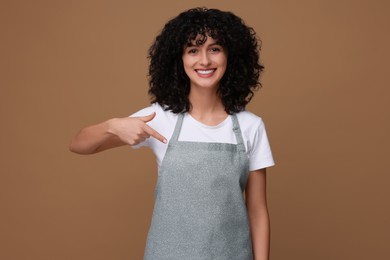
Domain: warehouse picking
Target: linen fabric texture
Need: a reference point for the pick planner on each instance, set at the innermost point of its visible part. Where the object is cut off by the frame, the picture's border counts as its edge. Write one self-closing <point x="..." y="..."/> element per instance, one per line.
<point x="199" y="211"/>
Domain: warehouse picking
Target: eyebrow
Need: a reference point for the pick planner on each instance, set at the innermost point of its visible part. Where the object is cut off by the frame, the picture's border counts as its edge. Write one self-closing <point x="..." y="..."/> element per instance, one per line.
<point x="195" y="45"/>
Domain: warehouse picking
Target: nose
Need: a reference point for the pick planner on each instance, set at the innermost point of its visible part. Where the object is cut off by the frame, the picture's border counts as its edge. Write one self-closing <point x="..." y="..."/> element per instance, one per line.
<point x="204" y="59"/>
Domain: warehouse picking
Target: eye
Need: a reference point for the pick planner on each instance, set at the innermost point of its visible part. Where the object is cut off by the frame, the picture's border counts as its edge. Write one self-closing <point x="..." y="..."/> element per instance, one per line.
<point x="192" y="51"/>
<point x="215" y="49"/>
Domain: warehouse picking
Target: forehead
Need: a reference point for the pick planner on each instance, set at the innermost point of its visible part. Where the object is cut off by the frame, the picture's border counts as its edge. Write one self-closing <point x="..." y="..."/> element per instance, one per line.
<point x="200" y="40"/>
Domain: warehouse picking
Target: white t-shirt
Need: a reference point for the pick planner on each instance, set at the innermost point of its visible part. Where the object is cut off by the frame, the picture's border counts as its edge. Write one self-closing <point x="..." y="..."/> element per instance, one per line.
<point x="252" y="129"/>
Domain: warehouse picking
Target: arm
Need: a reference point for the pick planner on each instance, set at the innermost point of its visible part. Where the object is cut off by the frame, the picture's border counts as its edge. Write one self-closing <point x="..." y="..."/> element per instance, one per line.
<point x="113" y="133"/>
<point x="256" y="203"/>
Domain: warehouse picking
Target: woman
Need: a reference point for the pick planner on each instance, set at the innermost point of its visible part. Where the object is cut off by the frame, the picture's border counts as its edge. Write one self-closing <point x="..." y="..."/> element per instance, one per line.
<point x="204" y="67"/>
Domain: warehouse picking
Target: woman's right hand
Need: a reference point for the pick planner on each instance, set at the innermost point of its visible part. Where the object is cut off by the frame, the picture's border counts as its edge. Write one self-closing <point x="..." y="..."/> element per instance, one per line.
<point x="113" y="133"/>
<point x="134" y="130"/>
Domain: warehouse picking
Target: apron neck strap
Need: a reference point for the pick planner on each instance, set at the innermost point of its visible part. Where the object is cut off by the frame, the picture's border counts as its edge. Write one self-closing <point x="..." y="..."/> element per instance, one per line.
<point x="236" y="130"/>
<point x="176" y="132"/>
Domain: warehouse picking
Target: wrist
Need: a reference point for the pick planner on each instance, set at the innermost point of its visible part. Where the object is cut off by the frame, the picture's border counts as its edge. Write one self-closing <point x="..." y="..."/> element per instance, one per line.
<point x="109" y="126"/>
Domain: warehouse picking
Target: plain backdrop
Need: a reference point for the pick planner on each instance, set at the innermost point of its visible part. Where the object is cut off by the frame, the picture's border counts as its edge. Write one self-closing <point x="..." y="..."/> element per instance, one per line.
<point x="324" y="101"/>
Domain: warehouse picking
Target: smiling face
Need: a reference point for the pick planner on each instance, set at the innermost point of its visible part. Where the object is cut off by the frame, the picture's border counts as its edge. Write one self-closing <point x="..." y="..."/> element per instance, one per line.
<point x="205" y="64"/>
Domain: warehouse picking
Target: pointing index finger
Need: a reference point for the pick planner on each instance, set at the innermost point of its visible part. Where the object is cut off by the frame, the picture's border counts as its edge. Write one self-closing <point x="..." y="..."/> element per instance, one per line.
<point x="155" y="134"/>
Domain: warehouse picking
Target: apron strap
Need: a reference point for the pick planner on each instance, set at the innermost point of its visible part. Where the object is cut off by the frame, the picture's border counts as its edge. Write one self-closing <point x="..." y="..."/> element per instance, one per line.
<point x="176" y="132"/>
<point x="237" y="132"/>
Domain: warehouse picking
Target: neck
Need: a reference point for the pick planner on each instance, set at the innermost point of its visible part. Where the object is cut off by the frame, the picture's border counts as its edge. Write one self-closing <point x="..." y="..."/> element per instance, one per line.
<point x="205" y="103"/>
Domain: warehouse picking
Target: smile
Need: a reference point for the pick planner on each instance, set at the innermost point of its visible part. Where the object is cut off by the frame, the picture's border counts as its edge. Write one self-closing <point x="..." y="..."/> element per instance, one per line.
<point x="207" y="72"/>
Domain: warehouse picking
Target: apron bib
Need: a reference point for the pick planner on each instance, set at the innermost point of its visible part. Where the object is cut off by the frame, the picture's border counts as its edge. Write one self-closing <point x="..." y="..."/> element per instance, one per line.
<point x="199" y="211"/>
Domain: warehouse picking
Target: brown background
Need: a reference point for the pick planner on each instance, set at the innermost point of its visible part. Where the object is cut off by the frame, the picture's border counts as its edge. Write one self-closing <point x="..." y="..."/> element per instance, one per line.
<point x="67" y="64"/>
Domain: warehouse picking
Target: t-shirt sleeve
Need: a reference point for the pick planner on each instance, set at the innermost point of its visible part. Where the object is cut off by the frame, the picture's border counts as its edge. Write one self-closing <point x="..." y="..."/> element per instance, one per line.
<point x="143" y="112"/>
<point x="260" y="154"/>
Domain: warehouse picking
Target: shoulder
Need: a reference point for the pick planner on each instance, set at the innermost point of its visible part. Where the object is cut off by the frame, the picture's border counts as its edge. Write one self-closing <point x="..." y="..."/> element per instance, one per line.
<point x="164" y="120"/>
<point x="252" y="128"/>
<point x="249" y="122"/>
<point x="162" y="114"/>
<point x="154" y="107"/>
<point x="259" y="150"/>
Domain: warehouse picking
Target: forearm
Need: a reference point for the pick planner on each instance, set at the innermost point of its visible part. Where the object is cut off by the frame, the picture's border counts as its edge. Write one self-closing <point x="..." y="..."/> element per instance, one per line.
<point x="90" y="138"/>
<point x="260" y="234"/>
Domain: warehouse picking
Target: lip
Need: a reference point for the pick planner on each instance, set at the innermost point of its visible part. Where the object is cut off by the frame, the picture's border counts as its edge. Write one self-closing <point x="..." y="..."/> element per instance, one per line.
<point x="202" y="75"/>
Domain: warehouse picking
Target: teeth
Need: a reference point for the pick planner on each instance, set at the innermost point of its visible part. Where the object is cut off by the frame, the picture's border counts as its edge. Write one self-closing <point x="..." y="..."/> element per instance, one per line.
<point x="204" y="72"/>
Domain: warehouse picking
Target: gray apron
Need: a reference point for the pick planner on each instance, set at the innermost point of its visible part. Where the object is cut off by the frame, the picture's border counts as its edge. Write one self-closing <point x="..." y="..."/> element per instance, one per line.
<point x="199" y="211"/>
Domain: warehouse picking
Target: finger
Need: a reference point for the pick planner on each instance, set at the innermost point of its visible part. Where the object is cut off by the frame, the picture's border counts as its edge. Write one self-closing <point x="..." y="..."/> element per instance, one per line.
<point x="148" y="117"/>
<point x="144" y="135"/>
<point x="155" y="134"/>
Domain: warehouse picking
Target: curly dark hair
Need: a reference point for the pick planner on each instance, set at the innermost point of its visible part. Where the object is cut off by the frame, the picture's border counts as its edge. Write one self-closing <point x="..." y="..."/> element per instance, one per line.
<point x="169" y="85"/>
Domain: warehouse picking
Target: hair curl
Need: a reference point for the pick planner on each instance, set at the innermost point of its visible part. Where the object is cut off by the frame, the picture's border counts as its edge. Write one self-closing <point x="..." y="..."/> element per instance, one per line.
<point x="169" y="85"/>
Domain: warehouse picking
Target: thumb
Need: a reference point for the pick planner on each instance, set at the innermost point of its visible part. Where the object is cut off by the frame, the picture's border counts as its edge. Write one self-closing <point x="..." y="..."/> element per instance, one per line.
<point x="148" y="117"/>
